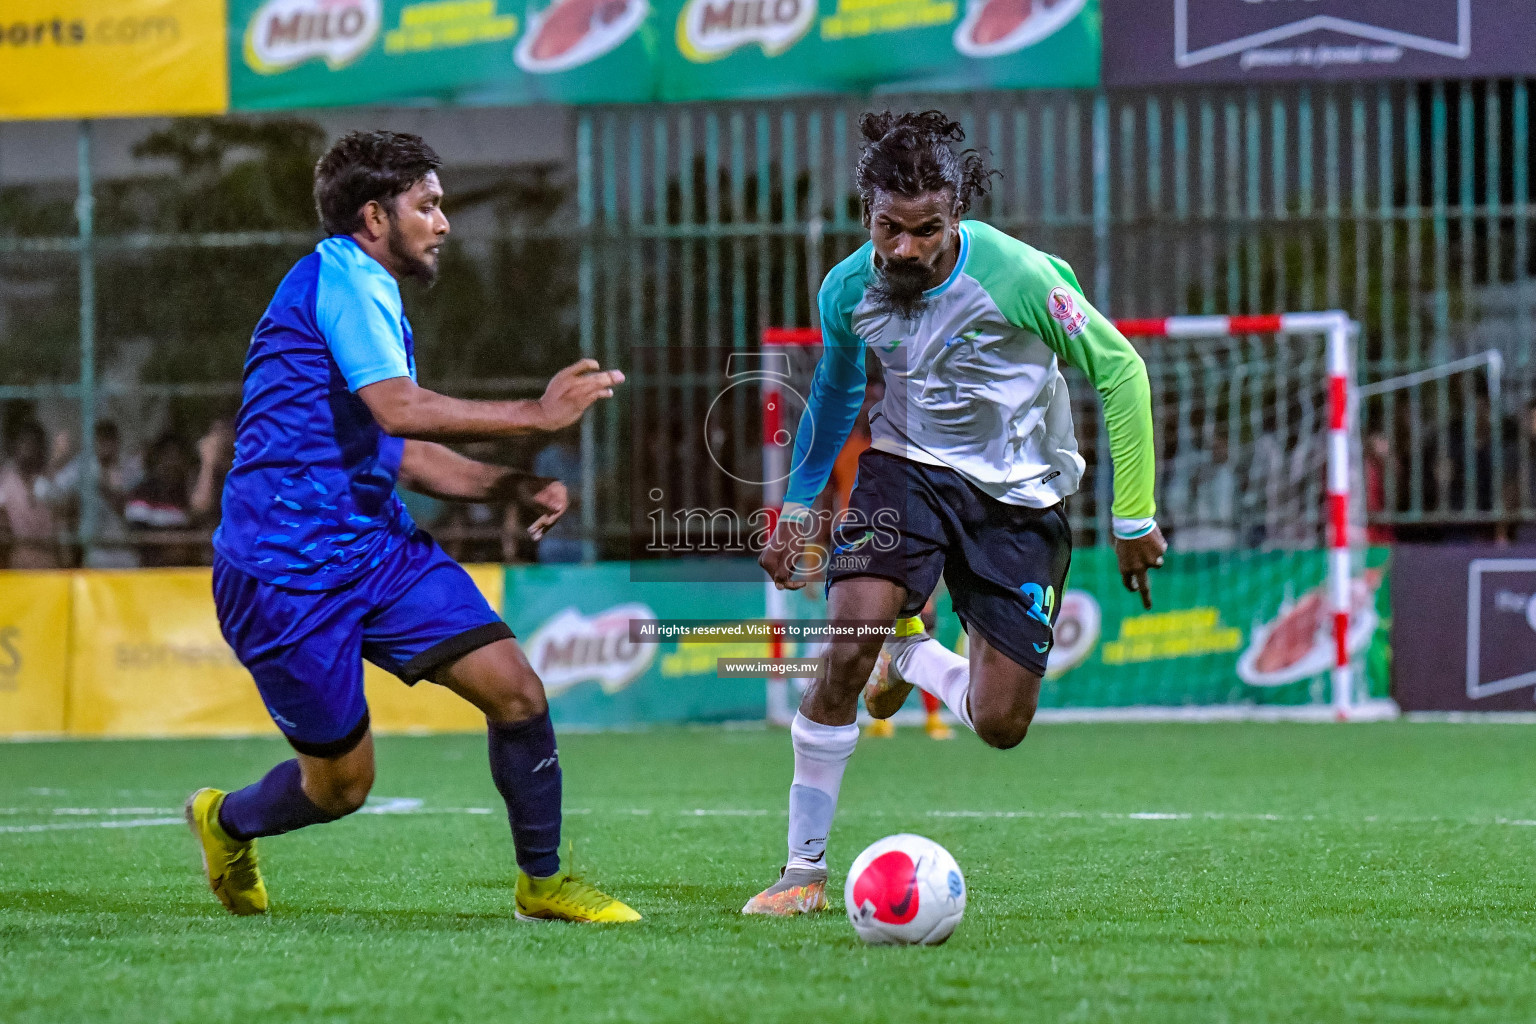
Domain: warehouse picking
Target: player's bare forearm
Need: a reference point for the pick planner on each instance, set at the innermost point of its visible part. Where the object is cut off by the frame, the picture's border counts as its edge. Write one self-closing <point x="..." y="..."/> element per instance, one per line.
<point x="780" y="557"/>
<point x="405" y="409"/>
<point x="438" y="472"/>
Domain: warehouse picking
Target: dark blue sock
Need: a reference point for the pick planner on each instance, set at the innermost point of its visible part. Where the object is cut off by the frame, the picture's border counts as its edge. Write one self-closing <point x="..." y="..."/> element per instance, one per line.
<point x="526" y="768"/>
<point x="275" y="805"/>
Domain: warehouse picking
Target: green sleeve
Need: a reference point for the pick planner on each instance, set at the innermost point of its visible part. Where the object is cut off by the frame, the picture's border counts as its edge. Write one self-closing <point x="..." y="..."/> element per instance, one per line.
<point x="1022" y="283"/>
<point x="1120" y="377"/>
<point x="1117" y="372"/>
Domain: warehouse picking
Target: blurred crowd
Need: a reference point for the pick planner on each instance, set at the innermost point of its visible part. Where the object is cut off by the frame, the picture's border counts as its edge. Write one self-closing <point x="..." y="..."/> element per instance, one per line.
<point x="1436" y="485"/>
<point x="153" y="509"/>
<point x="159" y="507"/>
<point x="1455" y="478"/>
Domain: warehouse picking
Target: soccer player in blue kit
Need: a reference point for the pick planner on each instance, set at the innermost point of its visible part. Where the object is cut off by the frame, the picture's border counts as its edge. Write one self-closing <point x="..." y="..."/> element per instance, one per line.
<point x="318" y="565"/>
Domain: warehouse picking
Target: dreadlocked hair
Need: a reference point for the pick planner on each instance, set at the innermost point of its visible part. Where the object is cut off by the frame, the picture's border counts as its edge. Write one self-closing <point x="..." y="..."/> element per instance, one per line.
<point x="914" y="153"/>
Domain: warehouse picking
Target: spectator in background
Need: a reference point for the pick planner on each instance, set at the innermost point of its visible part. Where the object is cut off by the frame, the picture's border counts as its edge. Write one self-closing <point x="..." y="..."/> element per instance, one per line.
<point x="29" y="522"/>
<point x="1522" y="473"/>
<point x="1378" y="456"/>
<point x="1212" y="523"/>
<point x="116" y="476"/>
<point x="216" y="456"/>
<point x="469" y="531"/>
<point x="516" y="546"/>
<point x="159" y="509"/>
<point x="562" y="461"/>
<point x="1469" y="483"/>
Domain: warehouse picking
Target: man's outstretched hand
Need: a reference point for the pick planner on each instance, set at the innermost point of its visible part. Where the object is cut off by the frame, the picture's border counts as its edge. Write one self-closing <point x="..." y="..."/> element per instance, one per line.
<point x="1136" y="558"/>
<point x="782" y="554"/>
<point x="573" y="390"/>
<point x="549" y="497"/>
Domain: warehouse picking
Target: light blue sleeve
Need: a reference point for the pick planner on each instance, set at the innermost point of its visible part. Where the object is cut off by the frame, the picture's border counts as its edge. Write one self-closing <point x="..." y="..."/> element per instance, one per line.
<point x="360" y="315"/>
<point x="837" y="394"/>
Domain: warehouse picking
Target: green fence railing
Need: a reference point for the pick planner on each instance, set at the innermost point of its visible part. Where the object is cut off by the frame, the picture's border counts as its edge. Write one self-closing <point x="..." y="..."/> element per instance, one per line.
<point x="695" y="226"/>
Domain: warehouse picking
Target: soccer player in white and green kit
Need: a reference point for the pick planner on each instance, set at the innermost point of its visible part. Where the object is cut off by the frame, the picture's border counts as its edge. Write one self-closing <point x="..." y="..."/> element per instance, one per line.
<point x="972" y="459"/>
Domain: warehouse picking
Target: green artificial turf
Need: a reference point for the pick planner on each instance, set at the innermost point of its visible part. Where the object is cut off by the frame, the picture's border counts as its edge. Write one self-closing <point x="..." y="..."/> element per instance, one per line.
<point x="1117" y="872"/>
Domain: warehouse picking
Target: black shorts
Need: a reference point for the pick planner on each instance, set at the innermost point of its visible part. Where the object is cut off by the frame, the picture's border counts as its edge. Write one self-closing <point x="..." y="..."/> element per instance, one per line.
<point x="1006" y="565"/>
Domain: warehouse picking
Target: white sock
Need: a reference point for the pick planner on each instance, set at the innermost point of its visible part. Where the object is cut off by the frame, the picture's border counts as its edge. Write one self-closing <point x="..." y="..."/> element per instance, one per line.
<point x="934" y="668"/>
<point x="821" y="754"/>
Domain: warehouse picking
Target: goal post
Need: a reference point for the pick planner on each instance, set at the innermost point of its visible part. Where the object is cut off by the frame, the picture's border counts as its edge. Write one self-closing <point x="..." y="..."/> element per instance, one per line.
<point x="1339" y="331"/>
<point x="1274" y="396"/>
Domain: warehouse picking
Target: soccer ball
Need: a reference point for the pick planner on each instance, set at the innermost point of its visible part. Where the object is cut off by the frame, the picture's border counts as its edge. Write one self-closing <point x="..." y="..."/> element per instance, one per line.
<point x="905" y="890"/>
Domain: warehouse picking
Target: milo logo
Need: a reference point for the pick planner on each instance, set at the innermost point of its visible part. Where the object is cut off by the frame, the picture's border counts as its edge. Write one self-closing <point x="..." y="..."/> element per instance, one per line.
<point x="285" y="33"/>
<point x="709" y="29"/>
<point x="572" y="648"/>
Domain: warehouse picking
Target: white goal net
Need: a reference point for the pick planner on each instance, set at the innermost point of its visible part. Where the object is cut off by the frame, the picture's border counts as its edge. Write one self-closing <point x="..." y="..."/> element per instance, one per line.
<point x="1270" y="603"/>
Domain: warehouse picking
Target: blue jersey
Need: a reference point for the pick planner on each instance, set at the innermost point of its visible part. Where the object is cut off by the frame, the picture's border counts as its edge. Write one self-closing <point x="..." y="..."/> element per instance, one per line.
<point x="310" y="502"/>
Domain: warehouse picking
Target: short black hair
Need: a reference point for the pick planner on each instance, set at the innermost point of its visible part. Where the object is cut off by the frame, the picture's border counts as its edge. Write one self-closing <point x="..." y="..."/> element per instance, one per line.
<point x="29" y="429"/>
<point x="364" y="166"/>
<point x="168" y="443"/>
<point x="914" y="153"/>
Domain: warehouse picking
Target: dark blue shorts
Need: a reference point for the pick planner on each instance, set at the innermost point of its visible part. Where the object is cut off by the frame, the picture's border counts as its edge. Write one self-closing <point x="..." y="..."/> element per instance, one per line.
<point x="416" y="611"/>
<point x="1006" y="565"/>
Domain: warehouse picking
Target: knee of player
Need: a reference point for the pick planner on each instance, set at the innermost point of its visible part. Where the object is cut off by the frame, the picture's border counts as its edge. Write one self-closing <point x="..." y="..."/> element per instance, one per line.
<point x="516" y="705"/>
<point x="1003" y="731"/>
<point x="344" y="793"/>
<point x="511" y="696"/>
<point x="849" y="665"/>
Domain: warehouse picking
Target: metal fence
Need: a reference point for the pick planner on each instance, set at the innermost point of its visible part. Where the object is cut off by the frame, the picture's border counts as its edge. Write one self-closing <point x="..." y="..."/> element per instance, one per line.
<point x="1406" y="204"/>
<point x="696" y="226"/>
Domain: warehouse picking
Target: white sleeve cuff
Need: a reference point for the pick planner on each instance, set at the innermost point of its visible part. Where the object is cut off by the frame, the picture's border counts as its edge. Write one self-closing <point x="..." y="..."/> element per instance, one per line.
<point x="1130" y="529"/>
<point x="794" y="512"/>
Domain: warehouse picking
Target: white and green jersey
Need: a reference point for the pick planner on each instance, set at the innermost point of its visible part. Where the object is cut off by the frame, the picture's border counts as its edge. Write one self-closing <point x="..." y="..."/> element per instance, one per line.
<point x="973" y="382"/>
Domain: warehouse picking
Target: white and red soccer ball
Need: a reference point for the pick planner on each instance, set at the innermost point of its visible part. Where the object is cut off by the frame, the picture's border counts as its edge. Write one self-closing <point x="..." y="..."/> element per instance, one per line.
<point x="905" y="890"/>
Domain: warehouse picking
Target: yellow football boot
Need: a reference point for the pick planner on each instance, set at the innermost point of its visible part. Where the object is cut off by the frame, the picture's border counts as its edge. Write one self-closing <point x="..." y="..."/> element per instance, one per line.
<point x="880" y="728"/>
<point x="937" y="728"/>
<point x="565" y="897"/>
<point x="231" y="866"/>
<point x="798" y="891"/>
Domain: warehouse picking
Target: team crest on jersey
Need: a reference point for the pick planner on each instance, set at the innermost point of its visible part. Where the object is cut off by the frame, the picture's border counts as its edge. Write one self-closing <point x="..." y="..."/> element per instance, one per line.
<point x="1064" y="310"/>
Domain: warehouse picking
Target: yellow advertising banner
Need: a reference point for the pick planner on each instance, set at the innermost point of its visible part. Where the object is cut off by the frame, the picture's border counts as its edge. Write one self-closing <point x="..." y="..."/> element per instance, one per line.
<point x="112" y="58"/>
<point x="34" y="652"/>
<point x="427" y="707"/>
<point x="148" y="660"/>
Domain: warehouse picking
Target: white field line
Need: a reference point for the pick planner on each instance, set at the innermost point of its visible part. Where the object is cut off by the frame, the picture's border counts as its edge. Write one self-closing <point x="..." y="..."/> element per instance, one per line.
<point x="386" y="805"/>
<point x="116" y="823"/>
<point x="118" y="817"/>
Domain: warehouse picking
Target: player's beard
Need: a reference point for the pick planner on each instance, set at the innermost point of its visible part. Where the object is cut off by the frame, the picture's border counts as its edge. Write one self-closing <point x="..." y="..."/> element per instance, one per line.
<point x="899" y="288"/>
<point x="413" y="264"/>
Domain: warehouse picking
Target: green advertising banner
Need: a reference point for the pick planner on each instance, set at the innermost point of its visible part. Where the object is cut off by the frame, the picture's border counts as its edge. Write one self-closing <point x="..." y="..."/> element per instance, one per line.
<point x="309" y="53"/>
<point x="312" y="53"/>
<point x="573" y="622"/>
<point x="759" y="48"/>
<point x="1228" y="627"/>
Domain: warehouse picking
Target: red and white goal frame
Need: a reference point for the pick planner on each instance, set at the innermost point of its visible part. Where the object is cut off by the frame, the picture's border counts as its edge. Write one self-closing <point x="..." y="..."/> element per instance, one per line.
<point x="1338" y="332"/>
